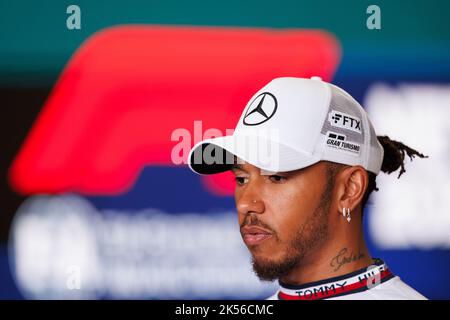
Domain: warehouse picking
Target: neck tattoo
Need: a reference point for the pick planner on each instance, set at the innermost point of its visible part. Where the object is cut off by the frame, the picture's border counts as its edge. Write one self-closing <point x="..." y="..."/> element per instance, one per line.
<point x="343" y="258"/>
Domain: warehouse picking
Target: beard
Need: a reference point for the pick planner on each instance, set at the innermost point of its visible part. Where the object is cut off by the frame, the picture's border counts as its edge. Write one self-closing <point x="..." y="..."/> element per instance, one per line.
<point x="311" y="234"/>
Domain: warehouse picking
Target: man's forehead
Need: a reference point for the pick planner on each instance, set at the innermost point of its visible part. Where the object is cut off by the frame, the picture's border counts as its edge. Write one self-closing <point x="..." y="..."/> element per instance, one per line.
<point x="245" y="166"/>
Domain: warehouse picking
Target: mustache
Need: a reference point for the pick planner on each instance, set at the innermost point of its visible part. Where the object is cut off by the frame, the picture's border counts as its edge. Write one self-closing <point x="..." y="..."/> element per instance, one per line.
<point x="252" y="221"/>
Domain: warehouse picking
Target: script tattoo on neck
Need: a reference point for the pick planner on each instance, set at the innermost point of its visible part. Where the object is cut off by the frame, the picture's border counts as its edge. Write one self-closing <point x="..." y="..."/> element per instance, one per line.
<point x="343" y="258"/>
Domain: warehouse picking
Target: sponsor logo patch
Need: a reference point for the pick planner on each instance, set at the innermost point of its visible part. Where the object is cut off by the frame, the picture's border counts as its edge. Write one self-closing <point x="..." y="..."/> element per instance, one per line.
<point x="339" y="141"/>
<point x="345" y="121"/>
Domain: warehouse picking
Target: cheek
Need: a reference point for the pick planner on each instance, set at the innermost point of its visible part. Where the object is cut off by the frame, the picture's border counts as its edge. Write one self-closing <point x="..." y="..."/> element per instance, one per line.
<point x="237" y="195"/>
<point x="289" y="209"/>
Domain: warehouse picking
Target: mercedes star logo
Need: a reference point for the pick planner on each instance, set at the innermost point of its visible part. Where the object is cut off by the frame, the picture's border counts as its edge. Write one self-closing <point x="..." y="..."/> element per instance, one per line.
<point x="261" y="109"/>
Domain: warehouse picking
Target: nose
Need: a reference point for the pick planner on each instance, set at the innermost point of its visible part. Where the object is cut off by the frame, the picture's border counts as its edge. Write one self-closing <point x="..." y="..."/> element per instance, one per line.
<point x="249" y="201"/>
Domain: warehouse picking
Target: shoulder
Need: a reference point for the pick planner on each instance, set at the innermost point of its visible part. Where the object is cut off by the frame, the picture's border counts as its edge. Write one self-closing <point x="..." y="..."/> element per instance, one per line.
<point x="393" y="289"/>
<point x="273" y="297"/>
<point x="397" y="289"/>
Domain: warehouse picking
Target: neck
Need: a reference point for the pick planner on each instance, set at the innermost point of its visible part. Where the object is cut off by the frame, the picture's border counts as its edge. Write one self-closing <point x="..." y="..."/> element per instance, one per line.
<point x="334" y="258"/>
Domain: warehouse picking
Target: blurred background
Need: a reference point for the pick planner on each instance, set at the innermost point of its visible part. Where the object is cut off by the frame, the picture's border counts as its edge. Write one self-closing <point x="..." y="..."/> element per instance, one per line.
<point x="102" y="99"/>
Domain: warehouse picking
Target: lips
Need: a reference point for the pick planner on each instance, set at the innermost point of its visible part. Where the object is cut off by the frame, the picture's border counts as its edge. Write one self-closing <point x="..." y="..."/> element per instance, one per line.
<point x="255" y="235"/>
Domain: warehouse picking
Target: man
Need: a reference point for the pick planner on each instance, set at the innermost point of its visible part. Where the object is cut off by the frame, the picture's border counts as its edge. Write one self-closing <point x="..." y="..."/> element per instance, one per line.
<point x="305" y="157"/>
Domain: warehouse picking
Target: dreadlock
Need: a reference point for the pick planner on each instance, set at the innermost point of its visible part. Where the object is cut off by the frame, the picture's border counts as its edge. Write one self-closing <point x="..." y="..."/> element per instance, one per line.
<point x="394" y="158"/>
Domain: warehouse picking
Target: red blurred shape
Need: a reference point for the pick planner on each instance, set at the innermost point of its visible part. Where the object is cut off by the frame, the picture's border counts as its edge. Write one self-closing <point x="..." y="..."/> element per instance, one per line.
<point x="127" y="88"/>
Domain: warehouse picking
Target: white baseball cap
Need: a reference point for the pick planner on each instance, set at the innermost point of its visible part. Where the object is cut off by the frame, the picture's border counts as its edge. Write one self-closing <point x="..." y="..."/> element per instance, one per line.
<point x="292" y="123"/>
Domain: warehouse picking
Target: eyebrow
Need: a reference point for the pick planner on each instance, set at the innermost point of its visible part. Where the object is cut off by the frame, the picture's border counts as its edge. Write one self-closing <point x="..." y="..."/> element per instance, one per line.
<point x="237" y="166"/>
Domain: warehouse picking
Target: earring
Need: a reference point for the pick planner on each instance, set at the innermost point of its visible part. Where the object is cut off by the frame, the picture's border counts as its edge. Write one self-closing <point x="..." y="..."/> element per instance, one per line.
<point x="346" y="214"/>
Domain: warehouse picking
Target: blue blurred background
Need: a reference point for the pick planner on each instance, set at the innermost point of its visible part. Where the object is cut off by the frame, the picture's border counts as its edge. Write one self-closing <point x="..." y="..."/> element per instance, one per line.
<point x="400" y="73"/>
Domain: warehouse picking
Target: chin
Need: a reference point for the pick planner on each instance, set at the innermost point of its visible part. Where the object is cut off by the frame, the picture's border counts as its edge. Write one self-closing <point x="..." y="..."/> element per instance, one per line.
<point x="270" y="267"/>
<point x="266" y="257"/>
<point x="263" y="253"/>
<point x="266" y="269"/>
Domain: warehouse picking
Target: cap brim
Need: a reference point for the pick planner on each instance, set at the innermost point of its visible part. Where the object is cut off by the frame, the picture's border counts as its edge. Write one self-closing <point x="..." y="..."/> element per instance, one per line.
<point x="219" y="154"/>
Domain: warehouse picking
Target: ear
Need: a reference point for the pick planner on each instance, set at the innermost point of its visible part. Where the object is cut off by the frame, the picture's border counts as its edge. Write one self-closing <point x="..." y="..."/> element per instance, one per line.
<point x="351" y="183"/>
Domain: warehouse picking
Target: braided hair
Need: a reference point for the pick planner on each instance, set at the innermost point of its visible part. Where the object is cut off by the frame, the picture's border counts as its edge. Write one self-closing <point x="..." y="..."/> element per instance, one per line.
<point x="394" y="158"/>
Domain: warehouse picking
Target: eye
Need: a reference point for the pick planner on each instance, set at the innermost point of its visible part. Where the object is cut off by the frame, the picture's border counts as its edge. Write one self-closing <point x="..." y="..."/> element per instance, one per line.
<point x="240" y="180"/>
<point x="277" y="178"/>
